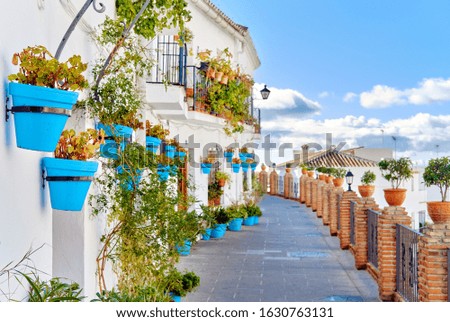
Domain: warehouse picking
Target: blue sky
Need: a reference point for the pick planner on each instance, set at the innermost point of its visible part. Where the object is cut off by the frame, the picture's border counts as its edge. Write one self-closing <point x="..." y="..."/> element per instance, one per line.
<point x="362" y="70"/>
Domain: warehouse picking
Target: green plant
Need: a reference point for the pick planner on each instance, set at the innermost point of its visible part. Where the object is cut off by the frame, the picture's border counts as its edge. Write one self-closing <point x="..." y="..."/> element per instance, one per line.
<point x="437" y="173"/>
<point x="214" y="191"/>
<point x="157" y="130"/>
<point x="368" y="178"/>
<point x="38" y="67"/>
<point x="53" y="290"/>
<point x="220" y="215"/>
<point x="220" y="175"/>
<point x="142" y="294"/>
<point x="396" y="171"/>
<point x="81" y="146"/>
<point x="180" y="284"/>
<point x="208" y="216"/>
<point x="338" y="172"/>
<point x="236" y="211"/>
<point x="253" y="209"/>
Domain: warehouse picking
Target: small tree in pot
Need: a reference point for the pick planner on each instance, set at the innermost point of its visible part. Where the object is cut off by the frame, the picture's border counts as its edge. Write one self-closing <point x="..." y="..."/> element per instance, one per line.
<point x="367" y="188"/>
<point x="396" y="171"/>
<point x="339" y="175"/>
<point x="437" y="173"/>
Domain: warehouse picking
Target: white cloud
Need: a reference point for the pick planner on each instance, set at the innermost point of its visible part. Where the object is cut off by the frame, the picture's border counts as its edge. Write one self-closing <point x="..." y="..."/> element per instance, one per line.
<point x="429" y="90"/>
<point x="283" y="99"/>
<point x="324" y="94"/>
<point x="350" y="97"/>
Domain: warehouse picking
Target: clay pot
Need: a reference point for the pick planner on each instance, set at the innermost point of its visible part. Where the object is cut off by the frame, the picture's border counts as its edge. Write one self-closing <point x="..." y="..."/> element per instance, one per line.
<point x="395" y="197"/>
<point x="439" y="211"/>
<point x="366" y="191"/>
<point x="338" y="182"/>
<point x="263" y="168"/>
<point x="214" y="202"/>
<point x="329" y="179"/>
<point x="310" y="174"/>
<point x="210" y="73"/>
<point x="218" y="76"/>
<point x="221" y="182"/>
<point x="288" y="170"/>
<point x="224" y="80"/>
<point x="322" y="177"/>
<point x="304" y="171"/>
<point x="189" y="92"/>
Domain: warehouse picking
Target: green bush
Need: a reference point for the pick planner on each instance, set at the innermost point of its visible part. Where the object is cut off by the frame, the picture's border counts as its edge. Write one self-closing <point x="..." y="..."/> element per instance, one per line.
<point x="368" y="178"/>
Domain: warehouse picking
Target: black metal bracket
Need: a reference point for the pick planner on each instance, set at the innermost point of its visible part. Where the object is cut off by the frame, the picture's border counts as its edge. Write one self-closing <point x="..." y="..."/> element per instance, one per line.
<point x="63" y="178"/>
<point x="99" y="7"/>
<point x="35" y="109"/>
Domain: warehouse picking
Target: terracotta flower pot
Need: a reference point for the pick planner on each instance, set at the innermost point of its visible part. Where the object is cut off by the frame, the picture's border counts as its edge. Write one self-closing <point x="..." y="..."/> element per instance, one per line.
<point x="395" y="197"/>
<point x="310" y="174"/>
<point x="338" y="182"/>
<point x="329" y="179"/>
<point x="263" y="168"/>
<point x="304" y="171"/>
<point x="224" y="80"/>
<point x="322" y="177"/>
<point x="288" y="170"/>
<point x="366" y="191"/>
<point x="221" y="182"/>
<point x="439" y="211"/>
<point x="210" y="73"/>
<point x="189" y="92"/>
<point x="218" y="76"/>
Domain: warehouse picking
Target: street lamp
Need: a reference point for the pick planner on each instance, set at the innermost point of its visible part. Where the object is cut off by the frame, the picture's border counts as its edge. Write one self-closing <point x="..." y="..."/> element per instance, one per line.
<point x="349" y="180"/>
<point x="265" y="92"/>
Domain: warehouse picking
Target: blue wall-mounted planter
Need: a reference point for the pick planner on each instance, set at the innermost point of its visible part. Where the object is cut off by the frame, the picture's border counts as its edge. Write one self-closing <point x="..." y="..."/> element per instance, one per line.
<point x="243" y="157"/>
<point x="235" y="167"/>
<point x="181" y="155"/>
<point x="69" y="194"/>
<point x="228" y="156"/>
<point x="206" y="168"/>
<point x="40" y="114"/>
<point x="253" y="166"/>
<point x="245" y="167"/>
<point x="130" y="182"/>
<point x="111" y="148"/>
<point x="170" y="151"/>
<point x="152" y="143"/>
<point x="163" y="172"/>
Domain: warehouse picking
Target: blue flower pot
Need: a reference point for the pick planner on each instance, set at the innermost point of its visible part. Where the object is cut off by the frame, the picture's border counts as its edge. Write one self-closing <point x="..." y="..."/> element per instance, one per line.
<point x="245" y="167"/>
<point x="235" y="224"/>
<point x="111" y="148"/>
<point x="250" y="155"/>
<point x="256" y="220"/>
<point x="249" y="221"/>
<point x="173" y="170"/>
<point x="207" y="234"/>
<point x="175" y="298"/>
<point x="235" y="167"/>
<point x="219" y="231"/>
<point x="185" y="249"/>
<point x="69" y="195"/>
<point x="181" y="155"/>
<point x="243" y="157"/>
<point x="170" y="151"/>
<point x="253" y="166"/>
<point x="228" y="156"/>
<point x="39" y="131"/>
<point x="152" y="143"/>
<point x="130" y="182"/>
<point x="206" y="168"/>
<point x="163" y="172"/>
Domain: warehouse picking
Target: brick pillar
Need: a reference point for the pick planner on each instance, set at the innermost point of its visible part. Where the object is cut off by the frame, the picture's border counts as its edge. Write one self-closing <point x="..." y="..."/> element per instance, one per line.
<point x="314" y="194"/>
<point x="433" y="268"/>
<point x="327" y="188"/>
<point x="333" y="210"/>
<point x="344" y="231"/>
<point x="320" y="186"/>
<point x="288" y="185"/>
<point x="360" y="249"/>
<point x="263" y="180"/>
<point x="273" y="183"/>
<point x="303" y="180"/>
<point x="308" y="190"/>
<point x="387" y="268"/>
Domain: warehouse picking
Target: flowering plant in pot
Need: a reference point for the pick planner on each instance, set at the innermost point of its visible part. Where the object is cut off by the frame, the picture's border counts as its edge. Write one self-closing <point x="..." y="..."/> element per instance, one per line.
<point x="339" y="174"/>
<point x="70" y="174"/>
<point x="222" y="178"/>
<point x="437" y="173"/>
<point x="396" y="171"/>
<point x="155" y="134"/>
<point x="236" y="164"/>
<point x="43" y="94"/>
<point x="367" y="188"/>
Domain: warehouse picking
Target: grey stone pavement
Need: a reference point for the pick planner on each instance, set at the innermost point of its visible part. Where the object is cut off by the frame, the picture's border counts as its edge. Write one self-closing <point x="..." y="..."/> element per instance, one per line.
<point x="288" y="257"/>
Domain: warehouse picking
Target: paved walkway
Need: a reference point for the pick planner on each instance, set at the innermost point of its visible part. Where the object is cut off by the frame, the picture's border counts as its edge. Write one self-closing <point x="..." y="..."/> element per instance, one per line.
<point x="289" y="256"/>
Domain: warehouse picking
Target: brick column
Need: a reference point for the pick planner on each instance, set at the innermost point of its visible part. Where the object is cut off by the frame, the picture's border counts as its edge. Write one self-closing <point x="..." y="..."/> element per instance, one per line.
<point x="314" y="194"/>
<point x="360" y="249"/>
<point x="263" y="180"/>
<point x="320" y="186"/>
<point x="273" y="183"/>
<point x="333" y="210"/>
<point x="288" y="185"/>
<point x="303" y="180"/>
<point x="344" y="231"/>
<point x="433" y="268"/>
<point x="387" y="268"/>
<point x="326" y="194"/>
<point x="308" y="192"/>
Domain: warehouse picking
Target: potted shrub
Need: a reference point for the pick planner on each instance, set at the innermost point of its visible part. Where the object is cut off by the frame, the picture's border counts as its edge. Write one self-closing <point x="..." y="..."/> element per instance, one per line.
<point x="236" y="214"/>
<point x="222" y="178"/>
<point x="437" y="173"/>
<point x="221" y="218"/>
<point x="155" y="134"/>
<point x="243" y="154"/>
<point x="179" y="284"/>
<point x="339" y="175"/>
<point x="214" y="194"/>
<point x="236" y="164"/>
<point x="43" y="96"/>
<point x="209" y="221"/>
<point x="304" y="169"/>
<point x="70" y="174"/>
<point x="367" y="188"/>
<point x="322" y="173"/>
<point x="253" y="212"/>
<point x="310" y="171"/>
<point x="396" y="171"/>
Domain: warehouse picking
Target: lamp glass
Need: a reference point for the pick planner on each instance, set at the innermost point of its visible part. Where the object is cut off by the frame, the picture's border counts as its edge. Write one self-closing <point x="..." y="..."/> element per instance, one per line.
<point x="265" y="92"/>
<point x="349" y="178"/>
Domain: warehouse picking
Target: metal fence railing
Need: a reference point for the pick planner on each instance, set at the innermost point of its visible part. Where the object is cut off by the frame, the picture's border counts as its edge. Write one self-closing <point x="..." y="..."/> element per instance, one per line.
<point x="352" y="222"/>
<point x="372" y="223"/>
<point x="408" y="263"/>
